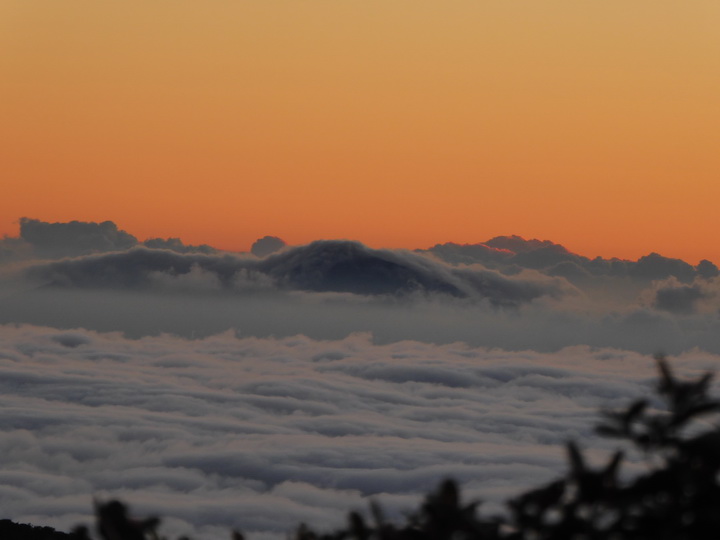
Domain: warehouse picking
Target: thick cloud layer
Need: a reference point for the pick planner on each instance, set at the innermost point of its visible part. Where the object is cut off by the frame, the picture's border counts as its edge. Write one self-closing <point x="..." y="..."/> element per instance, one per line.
<point x="197" y="313"/>
<point x="73" y="238"/>
<point x="476" y="362"/>
<point x="260" y="434"/>
<point x="45" y="240"/>
<point x="323" y="266"/>
<point x="510" y="253"/>
<point x="262" y="247"/>
<point x="508" y="292"/>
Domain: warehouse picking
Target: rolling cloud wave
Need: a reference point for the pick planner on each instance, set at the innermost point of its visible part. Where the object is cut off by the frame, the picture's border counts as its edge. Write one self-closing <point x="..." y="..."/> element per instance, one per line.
<point x="260" y="434"/>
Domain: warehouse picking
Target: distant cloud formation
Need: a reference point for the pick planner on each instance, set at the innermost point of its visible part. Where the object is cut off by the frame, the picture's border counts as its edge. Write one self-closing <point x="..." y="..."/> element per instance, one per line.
<point x="73" y="238"/>
<point x="676" y="297"/>
<point x="507" y="254"/>
<point x="262" y="247"/>
<point x="46" y="240"/>
<point x="260" y="434"/>
<point x="323" y="266"/>
<point x="507" y="292"/>
<point x="510" y="253"/>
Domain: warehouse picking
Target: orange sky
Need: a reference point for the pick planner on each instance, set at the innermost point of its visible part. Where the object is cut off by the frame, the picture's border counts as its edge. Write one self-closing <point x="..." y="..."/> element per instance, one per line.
<point x="595" y="124"/>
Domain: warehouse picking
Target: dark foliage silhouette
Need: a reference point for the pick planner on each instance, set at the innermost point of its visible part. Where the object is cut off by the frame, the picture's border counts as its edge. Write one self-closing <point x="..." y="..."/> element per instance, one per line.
<point x="22" y="531"/>
<point x="114" y="523"/>
<point x="677" y="496"/>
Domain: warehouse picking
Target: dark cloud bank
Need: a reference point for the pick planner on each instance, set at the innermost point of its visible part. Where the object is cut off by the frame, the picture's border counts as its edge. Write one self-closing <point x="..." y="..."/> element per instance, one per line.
<point x="293" y="383"/>
<point x="507" y="292"/>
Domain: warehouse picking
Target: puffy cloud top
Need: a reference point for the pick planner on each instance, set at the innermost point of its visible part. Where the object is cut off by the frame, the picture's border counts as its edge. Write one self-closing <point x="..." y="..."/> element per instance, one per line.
<point x="74" y="238"/>
<point x="510" y="253"/>
<point x="655" y="266"/>
<point x="46" y="240"/>
<point x="518" y="244"/>
<point x="262" y="247"/>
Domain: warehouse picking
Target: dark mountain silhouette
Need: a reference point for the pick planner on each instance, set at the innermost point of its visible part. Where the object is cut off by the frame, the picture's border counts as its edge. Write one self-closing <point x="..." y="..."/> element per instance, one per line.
<point x="342" y="266"/>
<point x="323" y="266"/>
<point x="22" y="531"/>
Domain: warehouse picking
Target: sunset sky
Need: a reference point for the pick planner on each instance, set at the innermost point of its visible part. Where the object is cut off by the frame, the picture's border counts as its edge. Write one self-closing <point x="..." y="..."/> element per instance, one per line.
<point x="595" y="124"/>
<point x="254" y="391"/>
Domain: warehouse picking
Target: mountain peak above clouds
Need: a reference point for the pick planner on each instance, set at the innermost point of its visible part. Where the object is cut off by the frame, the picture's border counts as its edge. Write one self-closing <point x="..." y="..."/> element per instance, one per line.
<point x="507" y="291"/>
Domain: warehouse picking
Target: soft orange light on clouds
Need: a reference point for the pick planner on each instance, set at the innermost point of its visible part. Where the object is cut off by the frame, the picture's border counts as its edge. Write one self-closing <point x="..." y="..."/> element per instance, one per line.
<point x="397" y="123"/>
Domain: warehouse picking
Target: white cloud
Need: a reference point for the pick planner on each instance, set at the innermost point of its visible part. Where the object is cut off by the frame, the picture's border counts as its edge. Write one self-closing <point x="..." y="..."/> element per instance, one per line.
<point x="260" y="434"/>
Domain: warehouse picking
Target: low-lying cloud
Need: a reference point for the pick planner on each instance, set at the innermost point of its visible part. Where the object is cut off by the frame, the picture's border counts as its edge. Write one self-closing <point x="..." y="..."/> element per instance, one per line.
<point x="260" y="434"/>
